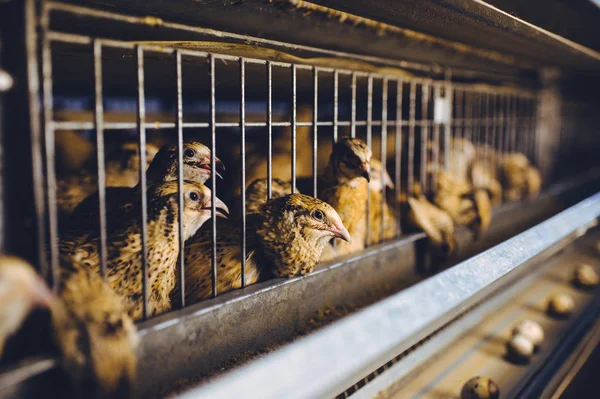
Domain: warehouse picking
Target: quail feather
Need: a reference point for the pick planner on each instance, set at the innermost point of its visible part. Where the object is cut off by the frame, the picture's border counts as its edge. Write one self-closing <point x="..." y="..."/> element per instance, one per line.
<point x="284" y="240"/>
<point x="124" y="268"/>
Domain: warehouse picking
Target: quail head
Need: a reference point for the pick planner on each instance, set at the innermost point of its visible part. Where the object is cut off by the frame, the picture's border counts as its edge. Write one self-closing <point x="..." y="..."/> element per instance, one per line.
<point x="196" y="164"/>
<point x="285" y="239"/>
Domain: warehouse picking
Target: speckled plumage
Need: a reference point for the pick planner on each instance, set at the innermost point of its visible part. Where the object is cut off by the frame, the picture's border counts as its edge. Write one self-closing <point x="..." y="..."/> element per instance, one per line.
<point x="124" y="269"/>
<point x="257" y="192"/>
<point x="95" y="334"/>
<point x="346" y="189"/>
<point x="119" y="200"/>
<point x="284" y="240"/>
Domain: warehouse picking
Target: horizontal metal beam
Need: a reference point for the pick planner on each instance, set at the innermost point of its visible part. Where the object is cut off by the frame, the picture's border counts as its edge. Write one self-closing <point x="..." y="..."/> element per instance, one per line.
<point x="327" y="362"/>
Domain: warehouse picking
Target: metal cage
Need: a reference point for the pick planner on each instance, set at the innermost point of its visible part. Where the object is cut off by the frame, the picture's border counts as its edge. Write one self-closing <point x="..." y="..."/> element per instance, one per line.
<point x="85" y="64"/>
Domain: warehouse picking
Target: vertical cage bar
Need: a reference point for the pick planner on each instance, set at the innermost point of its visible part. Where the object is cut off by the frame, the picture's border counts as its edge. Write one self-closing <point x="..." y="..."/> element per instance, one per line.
<point x="213" y="189"/>
<point x="369" y="144"/>
<point x="424" y="136"/>
<point x="436" y="142"/>
<point x="33" y="84"/>
<point x="353" y="115"/>
<point x="513" y="125"/>
<point x="269" y="130"/>
<point x="99" y="125"/>
<point x="504" y="128"/>
<point x="468" y="115"/>
<point x="398" y="154"/>
<point x="411" y="136"/>
<point x="384" y="123"/>
<point x="315" y="128"/>
<point x="486" y="130"/>
<point x="50" y="153"/>
<point x="534" y="148"/>
<point x="179" y="128"/>
<point x="480" y="124"/>
<point x="459" y="125"/>
<point x="294" y="116"/>
<point x="448" y="93"/>
<point x="336" y="93"/>
<point x="141" y="122"/>
<point x="243" y="166"/>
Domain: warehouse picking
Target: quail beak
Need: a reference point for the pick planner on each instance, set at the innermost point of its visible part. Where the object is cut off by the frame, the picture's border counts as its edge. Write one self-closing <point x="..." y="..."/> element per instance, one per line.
<point x="219" y="167"/>
<point x="221" y="209"/>
<point x="365" y="171"/>
<point x="341" y="232"/>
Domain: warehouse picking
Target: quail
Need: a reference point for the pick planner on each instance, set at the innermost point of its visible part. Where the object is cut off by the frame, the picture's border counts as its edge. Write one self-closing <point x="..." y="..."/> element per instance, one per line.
<point x="124" y="268"/>
<point x="118" y="200"/>
<point x="285" y="239"/>
<point x="346" y="189"/>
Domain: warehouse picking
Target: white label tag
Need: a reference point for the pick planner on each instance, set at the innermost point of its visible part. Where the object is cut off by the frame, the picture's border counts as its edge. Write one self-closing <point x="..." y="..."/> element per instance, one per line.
<point x="441" y="110"/>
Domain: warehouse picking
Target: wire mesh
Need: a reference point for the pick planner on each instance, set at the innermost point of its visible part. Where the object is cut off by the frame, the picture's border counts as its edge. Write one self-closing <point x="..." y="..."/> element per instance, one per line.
<point x="398" y="114"/>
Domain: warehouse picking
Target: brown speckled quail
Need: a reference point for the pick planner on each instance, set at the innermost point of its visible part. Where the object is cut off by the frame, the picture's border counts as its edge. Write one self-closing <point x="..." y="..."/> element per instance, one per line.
<point x="124" y="269"/>
<point x="285" y="239"/>
<point x="196" y="160"/>
<point x="346" y="189"/>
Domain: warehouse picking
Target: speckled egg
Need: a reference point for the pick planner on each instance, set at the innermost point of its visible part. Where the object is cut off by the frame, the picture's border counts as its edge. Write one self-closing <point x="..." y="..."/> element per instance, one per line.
<point x="585" y="276"/>
<point x="480" y="388"/>
<point x="561" y="305"/>
<point x="531" y="330"/>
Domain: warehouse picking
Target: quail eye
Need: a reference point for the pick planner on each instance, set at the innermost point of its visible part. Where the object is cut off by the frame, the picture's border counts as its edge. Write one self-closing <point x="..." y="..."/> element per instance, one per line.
<point x="194" y="196"/>
<point x="189" y="153"/>
<point x="318" y="215"/>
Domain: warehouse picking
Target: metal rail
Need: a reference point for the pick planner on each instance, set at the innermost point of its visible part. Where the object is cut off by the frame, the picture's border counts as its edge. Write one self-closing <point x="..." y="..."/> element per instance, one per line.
<point x="361" y="343"/>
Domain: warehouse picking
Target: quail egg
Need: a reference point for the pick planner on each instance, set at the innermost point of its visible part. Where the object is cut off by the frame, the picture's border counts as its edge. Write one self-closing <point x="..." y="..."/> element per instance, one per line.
<point x="480" y="388"/>
<point x="561" y="305"/>
<point x="531" y="330"/>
